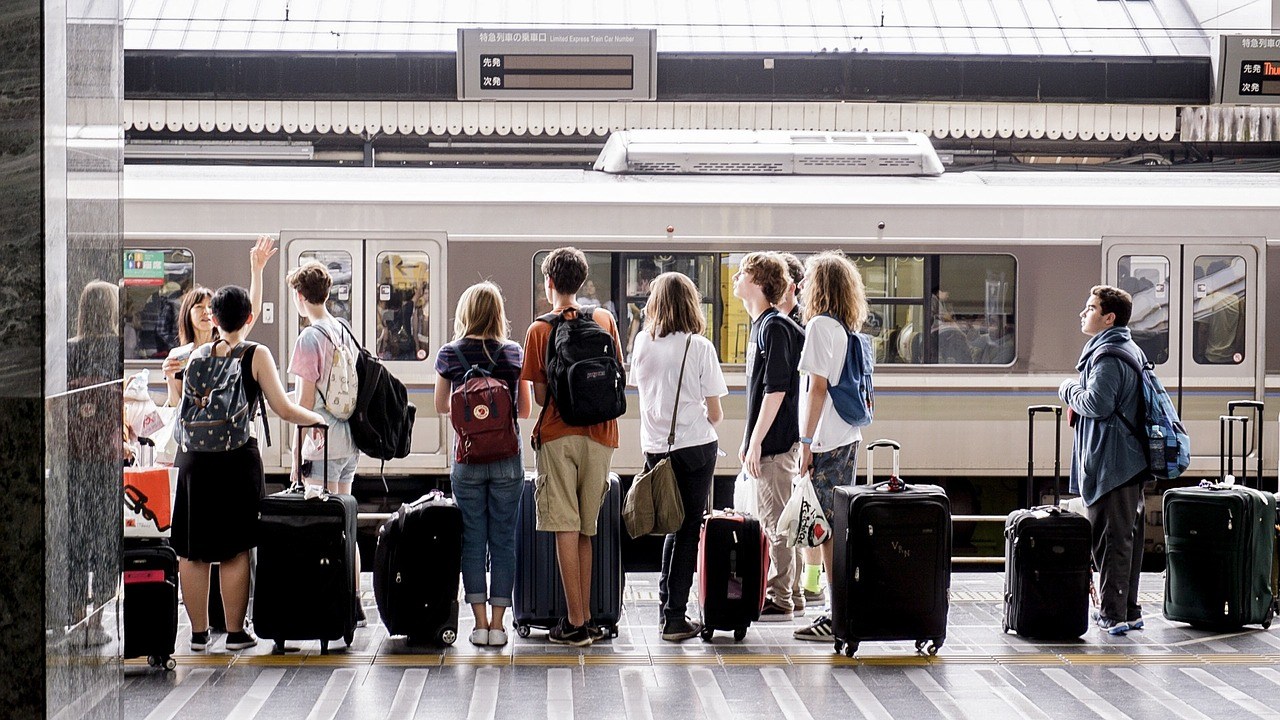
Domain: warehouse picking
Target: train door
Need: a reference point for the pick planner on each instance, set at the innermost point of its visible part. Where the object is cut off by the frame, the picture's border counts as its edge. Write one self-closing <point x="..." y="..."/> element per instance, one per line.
<point x="1198" y="315"/>
<point x="390" y="288"/>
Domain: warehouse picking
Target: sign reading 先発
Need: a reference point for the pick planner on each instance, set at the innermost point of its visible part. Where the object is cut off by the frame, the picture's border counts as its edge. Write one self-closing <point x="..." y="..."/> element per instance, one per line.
<point x="1249" y="71"/>
<point x="557" y="64"/>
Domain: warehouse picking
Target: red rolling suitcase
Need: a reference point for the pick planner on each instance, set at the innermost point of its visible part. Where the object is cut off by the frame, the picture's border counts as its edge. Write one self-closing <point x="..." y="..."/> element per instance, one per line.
<point x="150" y="601"/>
<point x="892" y="575"/>
<point x="733" y="567"/>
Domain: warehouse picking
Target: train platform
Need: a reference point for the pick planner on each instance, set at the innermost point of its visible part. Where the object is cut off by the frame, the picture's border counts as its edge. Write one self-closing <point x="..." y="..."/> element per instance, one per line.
<point x="1164" y="670"/>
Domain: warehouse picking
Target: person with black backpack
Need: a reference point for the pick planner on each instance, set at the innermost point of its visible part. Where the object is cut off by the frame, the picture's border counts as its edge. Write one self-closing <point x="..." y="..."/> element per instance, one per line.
<point x="573" y="359"/>
<point x="220" y="477"/>
<point x="478" y="388"/>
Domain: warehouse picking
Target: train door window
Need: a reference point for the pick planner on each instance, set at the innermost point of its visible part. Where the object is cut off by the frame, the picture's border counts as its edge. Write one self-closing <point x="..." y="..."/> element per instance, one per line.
<point x="1146" y="279"/>
<point x="339" y="264"/>
<point x="154" y="283"/>
<point x="1218" y="310"/>
<point x="403" y="291"/>
<point x="597" y="290"/>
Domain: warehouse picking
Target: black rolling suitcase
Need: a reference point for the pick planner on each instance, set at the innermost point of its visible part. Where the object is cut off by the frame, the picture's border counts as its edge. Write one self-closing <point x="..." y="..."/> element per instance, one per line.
<point x="1047" y="551"/>
<point x="892" y="574"/>
<point x="733" y="568"/>
<point x="305" y="586"/>
<point x="416" y="569"/>
<point x="1220" y="549"/>
<point x="150" y="610"/>
<point x="538" y="595"/>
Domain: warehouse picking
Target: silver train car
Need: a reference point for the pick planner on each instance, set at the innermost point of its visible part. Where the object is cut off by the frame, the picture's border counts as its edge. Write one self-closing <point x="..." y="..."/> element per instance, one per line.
<point x="975" y="281"/>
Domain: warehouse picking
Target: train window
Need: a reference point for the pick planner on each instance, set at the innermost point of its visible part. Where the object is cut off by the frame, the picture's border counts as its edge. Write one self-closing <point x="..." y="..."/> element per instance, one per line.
<point x="1146" y="279"/>
<point x="596" y="290"/>
<point x="1219" y="305"/>
<point x="892" y="276"/>
<point x="154" y="283"/>
<point x="401" y="323"/>
<point x="339" y="264"/>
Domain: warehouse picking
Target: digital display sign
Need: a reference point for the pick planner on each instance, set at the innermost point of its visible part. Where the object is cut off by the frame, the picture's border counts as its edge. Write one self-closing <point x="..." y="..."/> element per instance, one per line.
<point x="1260" y="77"/>
<point x="553" y="64"/>
<point x="1249" y="70"/>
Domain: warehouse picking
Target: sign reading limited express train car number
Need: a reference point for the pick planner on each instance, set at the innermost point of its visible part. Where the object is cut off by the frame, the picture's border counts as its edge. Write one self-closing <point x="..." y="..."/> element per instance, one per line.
<point x="557" y="64"/>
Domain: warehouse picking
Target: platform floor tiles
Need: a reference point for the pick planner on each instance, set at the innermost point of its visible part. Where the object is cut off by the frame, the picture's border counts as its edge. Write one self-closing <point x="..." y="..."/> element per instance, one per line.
<point x="1166" y="670"/>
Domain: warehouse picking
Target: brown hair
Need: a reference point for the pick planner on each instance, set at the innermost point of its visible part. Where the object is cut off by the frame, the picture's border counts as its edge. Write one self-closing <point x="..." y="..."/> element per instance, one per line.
<point x="834" y="287"/>
<point x="794" y="266"/>
<point x="567" y="268"/>
<point x="186" y="328"/>
<point x="98" y="311"/>
<point x="1114" y="300"/>
<point x="769" y="272"/>
<point x="675" y="305"/>
<point x="481" y="312"/>
<point x="312" y="279"/>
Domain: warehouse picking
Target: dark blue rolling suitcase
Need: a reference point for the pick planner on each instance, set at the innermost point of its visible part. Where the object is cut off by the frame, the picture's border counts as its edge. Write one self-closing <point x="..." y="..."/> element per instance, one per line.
<point x="892" y="574"/>
<point x="1047" y="556"/>
<point x="539" y="596"/>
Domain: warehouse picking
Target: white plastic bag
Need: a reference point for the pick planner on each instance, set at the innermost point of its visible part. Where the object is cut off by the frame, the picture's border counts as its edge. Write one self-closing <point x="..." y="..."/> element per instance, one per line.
<point x="140" y="410"/>
<point x="802" y="522"/>
<point x="744" y="494"/>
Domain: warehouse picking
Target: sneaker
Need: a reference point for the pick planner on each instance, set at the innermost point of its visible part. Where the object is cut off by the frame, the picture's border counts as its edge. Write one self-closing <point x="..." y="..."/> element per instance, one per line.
<point x="773" y="612"/>
<point x="240" y="640"/>
<point x="819" y="630"/>
<point x="815" y="598"/>
<point x="479" y="637"/>
<point x="1136" y="623"/>
<point x="199" y="640"/>
<point x="565" y="634"/>
<point x="597" y="632"/>
<point x="361" y="620"/>
<point x="1113" y="627"/>
<point x="679" y="630"/>
<point x="798" y="608"/>
<point x="497" y="637"/>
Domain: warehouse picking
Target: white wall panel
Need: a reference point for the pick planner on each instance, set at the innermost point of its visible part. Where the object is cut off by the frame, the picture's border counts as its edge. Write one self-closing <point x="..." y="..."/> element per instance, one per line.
<point x="257" y="115"/>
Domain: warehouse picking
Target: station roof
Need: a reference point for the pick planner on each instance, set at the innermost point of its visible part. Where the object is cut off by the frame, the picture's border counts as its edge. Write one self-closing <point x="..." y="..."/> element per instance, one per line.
<point x="1068" y="28"/>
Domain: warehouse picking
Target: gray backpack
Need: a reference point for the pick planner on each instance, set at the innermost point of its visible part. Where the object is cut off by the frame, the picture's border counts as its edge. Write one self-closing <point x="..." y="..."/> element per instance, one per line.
<point x="214" y="414"/>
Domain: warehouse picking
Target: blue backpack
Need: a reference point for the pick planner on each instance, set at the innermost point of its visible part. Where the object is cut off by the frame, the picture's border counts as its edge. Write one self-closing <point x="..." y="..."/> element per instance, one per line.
<point x="853" y="395"/>
<point x="1165" y="438"/>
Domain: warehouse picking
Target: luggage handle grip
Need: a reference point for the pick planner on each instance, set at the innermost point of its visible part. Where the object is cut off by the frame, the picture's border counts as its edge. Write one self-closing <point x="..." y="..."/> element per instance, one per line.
<point x="1032" y="411"/>
<point x="1226" y="446"/>
<point x="1258" y="407"/>
<point x="297" y="483"/>
<point x="1055" y="409"/>
<point x="894" y="480"/>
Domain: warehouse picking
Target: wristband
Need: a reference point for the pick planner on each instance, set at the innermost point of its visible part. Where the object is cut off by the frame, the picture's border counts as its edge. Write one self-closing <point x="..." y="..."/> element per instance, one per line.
<point x="806" y="440"/>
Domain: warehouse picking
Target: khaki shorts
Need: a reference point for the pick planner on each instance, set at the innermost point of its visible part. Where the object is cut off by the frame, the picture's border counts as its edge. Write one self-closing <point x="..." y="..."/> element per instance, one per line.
<point x="573" y="477"/>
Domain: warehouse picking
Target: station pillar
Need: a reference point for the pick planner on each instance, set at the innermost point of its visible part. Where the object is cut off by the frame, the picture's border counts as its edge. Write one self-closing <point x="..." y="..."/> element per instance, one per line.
<point x="61" y="371"/>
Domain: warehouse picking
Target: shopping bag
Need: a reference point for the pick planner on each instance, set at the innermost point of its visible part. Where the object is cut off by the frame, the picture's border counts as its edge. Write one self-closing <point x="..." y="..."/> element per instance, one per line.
<point x="148" y="500"/>
<point x="744" y="494"/>
<point x="802" y="522"/>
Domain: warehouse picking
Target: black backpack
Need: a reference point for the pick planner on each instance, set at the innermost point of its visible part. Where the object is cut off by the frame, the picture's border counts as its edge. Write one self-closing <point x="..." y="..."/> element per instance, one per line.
<point x="584" y="374"/>
<point x="382" y="424"/>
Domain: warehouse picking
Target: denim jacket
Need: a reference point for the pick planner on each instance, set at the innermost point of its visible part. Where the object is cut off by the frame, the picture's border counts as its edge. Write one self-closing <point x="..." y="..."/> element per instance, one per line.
<point x="1106" y="454"/>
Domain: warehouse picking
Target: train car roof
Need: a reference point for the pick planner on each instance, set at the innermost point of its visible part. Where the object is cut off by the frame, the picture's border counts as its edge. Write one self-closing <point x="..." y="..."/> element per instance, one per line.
<point x="250" y="184"/>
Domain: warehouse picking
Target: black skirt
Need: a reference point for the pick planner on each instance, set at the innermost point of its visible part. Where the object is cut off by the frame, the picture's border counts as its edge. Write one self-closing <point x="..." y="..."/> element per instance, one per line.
<point x="215" y="513"/>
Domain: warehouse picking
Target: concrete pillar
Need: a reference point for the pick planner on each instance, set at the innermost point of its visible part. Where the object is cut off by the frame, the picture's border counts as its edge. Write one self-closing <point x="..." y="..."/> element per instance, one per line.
<point x="60" y="357"/>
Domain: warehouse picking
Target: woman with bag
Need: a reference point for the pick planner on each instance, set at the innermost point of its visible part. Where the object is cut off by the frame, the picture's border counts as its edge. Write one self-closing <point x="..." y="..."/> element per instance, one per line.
<point x="487" y="492"/>
<point x="678" y="375"/>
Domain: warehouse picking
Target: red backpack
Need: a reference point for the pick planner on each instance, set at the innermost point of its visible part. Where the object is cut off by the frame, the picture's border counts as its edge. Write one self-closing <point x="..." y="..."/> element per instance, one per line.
<point x="483" y="415"/>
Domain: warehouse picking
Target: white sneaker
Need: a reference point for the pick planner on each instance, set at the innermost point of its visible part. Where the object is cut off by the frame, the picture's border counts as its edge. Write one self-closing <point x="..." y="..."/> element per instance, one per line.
<point x="497" y="637"/>
<point x="480" y="637"/>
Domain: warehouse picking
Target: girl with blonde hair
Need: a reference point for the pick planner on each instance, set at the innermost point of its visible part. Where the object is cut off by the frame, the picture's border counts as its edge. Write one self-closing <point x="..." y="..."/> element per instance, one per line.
<point x="486" y="493"/>
<point x="835" y="304"/>
<point x="675" y="367"/>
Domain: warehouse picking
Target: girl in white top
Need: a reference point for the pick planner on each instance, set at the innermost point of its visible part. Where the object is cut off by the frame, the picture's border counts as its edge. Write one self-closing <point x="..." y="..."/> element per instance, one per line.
<point x="673" y="326"/>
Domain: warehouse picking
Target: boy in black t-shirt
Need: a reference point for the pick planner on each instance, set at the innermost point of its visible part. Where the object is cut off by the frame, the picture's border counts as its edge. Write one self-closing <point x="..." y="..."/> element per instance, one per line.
<point x="770" y="447"/>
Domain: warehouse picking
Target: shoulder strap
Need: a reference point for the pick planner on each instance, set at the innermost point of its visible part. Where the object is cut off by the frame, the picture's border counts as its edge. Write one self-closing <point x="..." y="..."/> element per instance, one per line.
<point x="675" y="411"/>
<point x="350" y="334"/>
<point x="1128" y="359"/>
<point x="246" y="355"/>
<point x="457" y="351"/>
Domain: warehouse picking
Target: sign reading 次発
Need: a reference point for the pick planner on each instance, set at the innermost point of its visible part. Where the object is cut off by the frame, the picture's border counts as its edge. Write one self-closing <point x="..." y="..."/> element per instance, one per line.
<point x="1249" y="71"/>
<point x="557" y="64"/>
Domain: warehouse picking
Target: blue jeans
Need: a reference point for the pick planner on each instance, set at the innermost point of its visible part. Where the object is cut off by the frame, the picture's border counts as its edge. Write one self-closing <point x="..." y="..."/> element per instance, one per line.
<point x="694" y="468"/>
<point x="488" y="494"/>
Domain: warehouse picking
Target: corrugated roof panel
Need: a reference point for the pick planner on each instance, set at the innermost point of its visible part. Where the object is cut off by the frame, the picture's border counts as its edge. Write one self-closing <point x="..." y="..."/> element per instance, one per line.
<point x="1041" y="15"/>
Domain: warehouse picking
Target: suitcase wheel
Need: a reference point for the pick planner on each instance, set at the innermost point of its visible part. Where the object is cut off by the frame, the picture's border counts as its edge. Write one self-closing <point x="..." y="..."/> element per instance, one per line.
<point x="522" y="630"/>
<point x="278" y="648"/>
<point x="349" y="637"/>
<point x="850" y="649"/>
<point x="324" y="647"/>
<point x="447" y="636"/>
<point x="162" y="661"/>
<point x="739" y="633"/>
<point x="706" y="634"/>
<point x="613" y="631"/>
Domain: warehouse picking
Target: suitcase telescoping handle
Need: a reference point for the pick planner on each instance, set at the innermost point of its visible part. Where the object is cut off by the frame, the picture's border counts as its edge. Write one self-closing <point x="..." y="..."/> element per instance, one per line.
<point x="297" y="454"/>
<point x="1227" y="442"/>
<point x="895" y="482"/>
<point x="1032" y="411"/>
<point x="1257" y="407"/>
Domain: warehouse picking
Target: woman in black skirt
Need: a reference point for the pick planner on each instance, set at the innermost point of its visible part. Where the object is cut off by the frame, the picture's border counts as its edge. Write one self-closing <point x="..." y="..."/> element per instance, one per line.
<point x="215" y="512"/>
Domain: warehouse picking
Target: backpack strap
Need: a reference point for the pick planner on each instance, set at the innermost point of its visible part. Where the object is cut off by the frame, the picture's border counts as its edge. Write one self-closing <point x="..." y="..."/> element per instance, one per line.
<point x="1128" y="359"/>
<point x="246" y="352"/>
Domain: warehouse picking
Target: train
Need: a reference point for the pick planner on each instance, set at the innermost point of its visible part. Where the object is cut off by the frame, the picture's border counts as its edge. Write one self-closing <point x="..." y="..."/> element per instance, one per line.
<point x="975" y="281"/>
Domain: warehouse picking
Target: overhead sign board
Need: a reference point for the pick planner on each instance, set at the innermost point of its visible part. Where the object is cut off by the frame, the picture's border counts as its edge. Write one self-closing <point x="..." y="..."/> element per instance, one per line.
<point x="1249" y="73"/>
<point x="557" y="64"/>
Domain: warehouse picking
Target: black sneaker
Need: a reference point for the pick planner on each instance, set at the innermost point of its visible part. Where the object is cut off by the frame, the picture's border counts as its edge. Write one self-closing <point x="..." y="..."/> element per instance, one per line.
<point x="565" y="634"/>
<point x="680" y="629"/>
<point x="597" y="632"/>
<point x="240" y="640"/>
<point x="819" y="630"/>
<point x="199" y="640"/>
<point x="773" y="612"/>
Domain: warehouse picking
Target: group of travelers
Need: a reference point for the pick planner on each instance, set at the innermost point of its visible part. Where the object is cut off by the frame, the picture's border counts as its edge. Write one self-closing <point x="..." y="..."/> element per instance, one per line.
<point x="801" y="318"/>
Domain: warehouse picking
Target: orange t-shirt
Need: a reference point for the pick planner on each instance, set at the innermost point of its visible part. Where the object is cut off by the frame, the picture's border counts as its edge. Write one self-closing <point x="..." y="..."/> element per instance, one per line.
<point x="550" y="424"/>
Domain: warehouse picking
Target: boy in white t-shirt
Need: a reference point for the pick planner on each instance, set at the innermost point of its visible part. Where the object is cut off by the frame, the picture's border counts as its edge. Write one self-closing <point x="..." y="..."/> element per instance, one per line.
<point x="835" y="304"/>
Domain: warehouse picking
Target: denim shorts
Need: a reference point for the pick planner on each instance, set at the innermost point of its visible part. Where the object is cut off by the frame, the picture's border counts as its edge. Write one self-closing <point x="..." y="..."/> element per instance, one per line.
<point x="836" y="467"/>
<point x="340" y="470"/>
